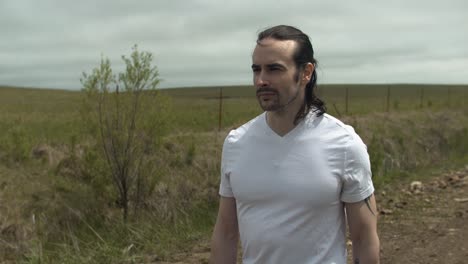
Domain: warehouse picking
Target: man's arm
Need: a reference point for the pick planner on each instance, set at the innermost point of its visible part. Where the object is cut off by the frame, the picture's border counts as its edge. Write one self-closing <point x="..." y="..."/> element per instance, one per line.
<point x="225" y="234"/>
<point x="362" y="222"/>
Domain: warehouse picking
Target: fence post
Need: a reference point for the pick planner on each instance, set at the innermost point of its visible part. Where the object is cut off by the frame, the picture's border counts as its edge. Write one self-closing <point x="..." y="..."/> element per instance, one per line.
<point x="421" y="97"/>
<point x="388" y="98"/>
<point x="220" y="108"/>
<point x="347" y="99"/>
<point x="448" y="96"/>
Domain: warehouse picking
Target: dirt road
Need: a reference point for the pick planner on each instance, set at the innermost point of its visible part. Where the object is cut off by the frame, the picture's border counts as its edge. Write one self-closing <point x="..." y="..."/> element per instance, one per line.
<point x="420" y="222"/>
<point x="426" y="222"/>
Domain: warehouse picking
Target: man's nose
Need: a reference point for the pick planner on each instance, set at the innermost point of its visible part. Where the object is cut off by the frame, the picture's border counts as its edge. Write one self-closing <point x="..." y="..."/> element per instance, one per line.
<point x="260" y="80"/>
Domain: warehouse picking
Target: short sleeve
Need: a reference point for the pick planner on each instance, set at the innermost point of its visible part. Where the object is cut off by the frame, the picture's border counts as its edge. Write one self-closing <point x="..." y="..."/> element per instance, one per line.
<point x="226" y="163"/>
<point x="357" y="175"/>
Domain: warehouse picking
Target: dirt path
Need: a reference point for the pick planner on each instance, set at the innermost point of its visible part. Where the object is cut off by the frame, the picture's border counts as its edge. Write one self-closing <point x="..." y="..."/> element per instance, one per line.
<point x="419" y="222"/>
<point x="426" y="223"/>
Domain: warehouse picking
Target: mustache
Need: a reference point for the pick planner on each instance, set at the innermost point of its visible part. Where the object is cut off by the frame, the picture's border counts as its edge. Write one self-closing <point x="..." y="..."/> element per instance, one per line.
<point x="266" y="89"/>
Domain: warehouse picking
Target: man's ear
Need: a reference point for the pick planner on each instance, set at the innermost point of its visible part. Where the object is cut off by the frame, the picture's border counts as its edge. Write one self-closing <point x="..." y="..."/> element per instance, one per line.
<point x="307" y="72"/>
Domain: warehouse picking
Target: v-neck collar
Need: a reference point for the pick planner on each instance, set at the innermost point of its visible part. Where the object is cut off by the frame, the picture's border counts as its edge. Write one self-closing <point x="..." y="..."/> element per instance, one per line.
<point x="286" y="136"/>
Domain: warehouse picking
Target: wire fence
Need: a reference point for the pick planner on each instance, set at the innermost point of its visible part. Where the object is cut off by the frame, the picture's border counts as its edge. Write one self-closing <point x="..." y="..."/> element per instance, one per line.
<point x="344" y="100"/>
<point x="362" y="99"/>
<point x="205" y="109"/>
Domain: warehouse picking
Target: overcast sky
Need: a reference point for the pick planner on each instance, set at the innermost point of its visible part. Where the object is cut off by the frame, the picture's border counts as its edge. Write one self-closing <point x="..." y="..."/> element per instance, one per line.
<point x="46" y="43"/>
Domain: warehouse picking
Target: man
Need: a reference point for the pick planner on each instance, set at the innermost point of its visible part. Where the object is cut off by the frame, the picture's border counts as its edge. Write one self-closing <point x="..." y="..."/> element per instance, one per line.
<point x="292" y="176"/>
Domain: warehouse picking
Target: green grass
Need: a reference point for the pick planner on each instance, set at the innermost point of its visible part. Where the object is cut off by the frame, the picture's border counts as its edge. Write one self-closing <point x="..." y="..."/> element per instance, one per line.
<point x="50" y="114"/>
<point x="77" y="220"/>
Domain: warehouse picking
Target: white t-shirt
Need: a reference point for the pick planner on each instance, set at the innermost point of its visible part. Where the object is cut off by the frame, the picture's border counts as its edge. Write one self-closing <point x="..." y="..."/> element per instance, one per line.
<point x="290" y="190"/>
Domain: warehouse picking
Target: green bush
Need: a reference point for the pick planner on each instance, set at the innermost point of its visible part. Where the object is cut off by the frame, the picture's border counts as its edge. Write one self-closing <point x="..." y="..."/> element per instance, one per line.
<point x="16" y="144"/>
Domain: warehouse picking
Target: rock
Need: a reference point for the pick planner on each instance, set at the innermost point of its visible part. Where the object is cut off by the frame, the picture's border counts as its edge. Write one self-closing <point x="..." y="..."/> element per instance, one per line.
<point x="442" y="184"/>
<point x="416" y="187"/>
<point x="400" y="204"/>
<point x="452" y="230"/>
<point x="453" y="179"/>
<point x="42" y="151"/>
<point x="407" y="192"/>
<point x="461" y="200"/>
<point x="463" y="182"/>
<point x="386" y="211"/>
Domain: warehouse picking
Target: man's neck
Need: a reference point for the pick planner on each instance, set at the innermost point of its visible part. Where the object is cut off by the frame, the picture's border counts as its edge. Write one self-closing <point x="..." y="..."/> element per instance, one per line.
<point x="281" y="122"/>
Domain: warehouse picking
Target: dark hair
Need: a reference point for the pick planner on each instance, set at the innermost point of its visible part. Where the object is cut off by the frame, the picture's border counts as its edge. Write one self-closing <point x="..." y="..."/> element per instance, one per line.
<point x="303" y="54"/>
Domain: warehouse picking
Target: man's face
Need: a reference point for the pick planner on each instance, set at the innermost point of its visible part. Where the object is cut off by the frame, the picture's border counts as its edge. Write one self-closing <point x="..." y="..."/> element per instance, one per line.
<point x="275" y="75"/>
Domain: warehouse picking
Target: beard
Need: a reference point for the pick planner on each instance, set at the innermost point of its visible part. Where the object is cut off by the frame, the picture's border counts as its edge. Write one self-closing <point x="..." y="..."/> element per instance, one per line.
<point x="270" y="104"/>
<point x="273" y="103"/>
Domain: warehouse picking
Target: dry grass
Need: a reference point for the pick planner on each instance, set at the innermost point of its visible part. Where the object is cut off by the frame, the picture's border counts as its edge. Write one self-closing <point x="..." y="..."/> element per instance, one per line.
<point x="56" y="206"/>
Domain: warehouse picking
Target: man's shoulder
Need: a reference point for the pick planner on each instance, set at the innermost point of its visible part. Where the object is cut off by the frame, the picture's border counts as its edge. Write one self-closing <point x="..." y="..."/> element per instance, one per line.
<point x="333" y="128"/>
<point x="327" y="121"/>
<point x="238" y="133"/>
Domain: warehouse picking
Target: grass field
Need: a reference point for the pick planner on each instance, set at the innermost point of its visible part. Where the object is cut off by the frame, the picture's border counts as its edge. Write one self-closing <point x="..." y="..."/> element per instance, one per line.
<point x="50" y="112"/>
<point x="239" y="102"/>
<point x="52" y="213"/>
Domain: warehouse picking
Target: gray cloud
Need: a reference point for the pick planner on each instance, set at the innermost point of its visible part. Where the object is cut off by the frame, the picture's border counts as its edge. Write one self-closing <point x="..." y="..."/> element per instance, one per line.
<point x="201" y="42"/>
